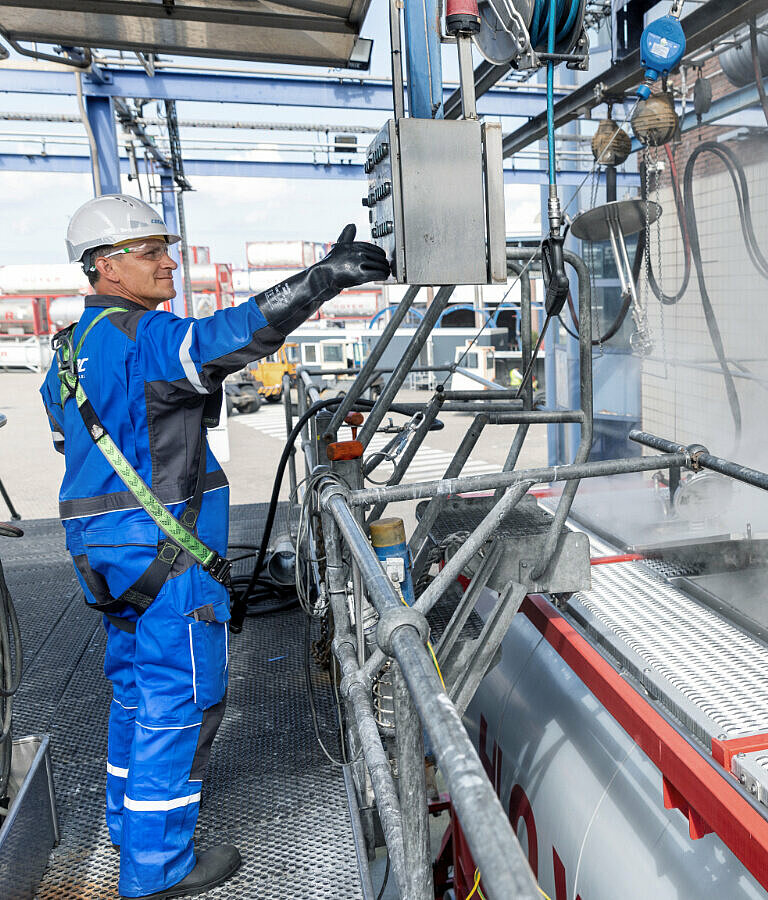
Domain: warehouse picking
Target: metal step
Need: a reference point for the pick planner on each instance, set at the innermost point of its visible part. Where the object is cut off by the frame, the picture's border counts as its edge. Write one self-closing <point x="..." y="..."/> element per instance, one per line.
<point x="522" y="532"/>
<point x="710" y="674"/>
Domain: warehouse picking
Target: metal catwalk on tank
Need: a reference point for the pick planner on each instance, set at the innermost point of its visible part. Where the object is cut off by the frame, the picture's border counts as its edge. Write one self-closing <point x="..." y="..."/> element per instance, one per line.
<point x="270" y="790"/>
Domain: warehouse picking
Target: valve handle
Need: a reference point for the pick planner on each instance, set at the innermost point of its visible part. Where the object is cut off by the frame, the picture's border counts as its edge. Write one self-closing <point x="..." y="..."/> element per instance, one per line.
<point x="354" y="420"/>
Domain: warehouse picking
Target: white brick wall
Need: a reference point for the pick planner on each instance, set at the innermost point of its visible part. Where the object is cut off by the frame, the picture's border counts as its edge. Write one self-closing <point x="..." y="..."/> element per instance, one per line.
<point x="689" y="404"/>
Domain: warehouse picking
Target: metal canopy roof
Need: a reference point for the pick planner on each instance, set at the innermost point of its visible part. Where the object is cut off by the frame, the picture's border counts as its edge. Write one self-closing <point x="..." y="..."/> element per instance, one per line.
<point x="306" y="32"/>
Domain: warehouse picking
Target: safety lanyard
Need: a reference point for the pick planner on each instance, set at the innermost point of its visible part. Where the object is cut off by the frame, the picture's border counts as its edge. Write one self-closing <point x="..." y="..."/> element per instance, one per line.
<point x="217" y="566"/>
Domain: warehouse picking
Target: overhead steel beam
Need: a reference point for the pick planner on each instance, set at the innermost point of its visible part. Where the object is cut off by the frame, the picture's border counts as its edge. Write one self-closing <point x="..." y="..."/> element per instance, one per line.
<point x="702" y="26"/>
<point x="260" y="90"/>
<point x="22" y="162"/>
<point x="311" y="32"/>
<point x="255" y="14"/>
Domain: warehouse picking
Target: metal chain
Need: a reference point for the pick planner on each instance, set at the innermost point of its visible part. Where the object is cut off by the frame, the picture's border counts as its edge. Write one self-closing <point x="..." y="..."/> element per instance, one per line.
<point x="646" y="286"/>
<point x="659" y="266"/>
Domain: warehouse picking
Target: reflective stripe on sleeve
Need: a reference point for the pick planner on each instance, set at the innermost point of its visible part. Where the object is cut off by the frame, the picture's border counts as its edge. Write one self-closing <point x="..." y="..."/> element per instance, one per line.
<point x="187" y="363"/>
<point x="116" y="770"/>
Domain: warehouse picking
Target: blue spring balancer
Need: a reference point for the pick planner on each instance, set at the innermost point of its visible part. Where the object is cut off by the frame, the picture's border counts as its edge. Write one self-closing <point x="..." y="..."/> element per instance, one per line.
<point x="661" y="48"/>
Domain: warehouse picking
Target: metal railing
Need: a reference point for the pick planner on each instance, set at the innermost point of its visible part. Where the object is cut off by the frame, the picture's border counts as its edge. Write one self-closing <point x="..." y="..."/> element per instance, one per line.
<point x="398" y="638"/>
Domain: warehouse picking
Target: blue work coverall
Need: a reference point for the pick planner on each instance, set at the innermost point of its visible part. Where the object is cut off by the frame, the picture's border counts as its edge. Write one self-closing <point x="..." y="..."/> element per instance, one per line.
<point x="151" y="377"/>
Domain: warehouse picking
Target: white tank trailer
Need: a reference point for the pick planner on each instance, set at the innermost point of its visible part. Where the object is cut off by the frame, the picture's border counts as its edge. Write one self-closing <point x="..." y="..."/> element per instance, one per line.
<point x="586" y="800"/>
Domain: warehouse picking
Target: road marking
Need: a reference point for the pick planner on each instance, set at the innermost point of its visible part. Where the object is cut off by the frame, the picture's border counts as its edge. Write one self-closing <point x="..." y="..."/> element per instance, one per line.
<point x="427" y="464"/>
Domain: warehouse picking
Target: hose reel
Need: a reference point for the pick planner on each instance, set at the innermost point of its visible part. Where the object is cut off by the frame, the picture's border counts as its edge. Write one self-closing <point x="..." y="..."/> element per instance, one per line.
<point x="514" y="32"/>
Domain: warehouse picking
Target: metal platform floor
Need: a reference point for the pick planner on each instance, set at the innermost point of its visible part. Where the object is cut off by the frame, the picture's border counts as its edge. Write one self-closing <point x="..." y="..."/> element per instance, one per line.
<point x="269" y="789"/>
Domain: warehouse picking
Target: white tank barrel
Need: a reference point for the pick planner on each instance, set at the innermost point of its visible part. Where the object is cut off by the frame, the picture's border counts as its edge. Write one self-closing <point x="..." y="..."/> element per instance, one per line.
<point x="17" y="316"/>
<point x="240" y="280"/>
<point x="44" y="279"/>
<point x="203" y="275"/>
<point x="283" y="254"/>
<point x="261" y="279"/>
<point x="65" y="310"/>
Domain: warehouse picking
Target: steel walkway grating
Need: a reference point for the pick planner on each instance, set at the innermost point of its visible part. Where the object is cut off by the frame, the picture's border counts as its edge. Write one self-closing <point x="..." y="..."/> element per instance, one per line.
<point x="269" y="788"/>
<point x="709" y="673"/>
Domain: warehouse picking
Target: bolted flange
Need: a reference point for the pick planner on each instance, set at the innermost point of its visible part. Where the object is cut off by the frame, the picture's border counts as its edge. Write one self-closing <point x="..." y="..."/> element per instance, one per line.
<point x="395" y="617"/>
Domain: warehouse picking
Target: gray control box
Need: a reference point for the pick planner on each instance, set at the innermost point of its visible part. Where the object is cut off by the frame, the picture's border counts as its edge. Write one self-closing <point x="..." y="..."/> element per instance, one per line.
<point x="436" y="200"/>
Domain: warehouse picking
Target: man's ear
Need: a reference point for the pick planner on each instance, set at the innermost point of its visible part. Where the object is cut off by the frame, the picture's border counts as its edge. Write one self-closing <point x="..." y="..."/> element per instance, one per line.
<point x="106" y="270"/>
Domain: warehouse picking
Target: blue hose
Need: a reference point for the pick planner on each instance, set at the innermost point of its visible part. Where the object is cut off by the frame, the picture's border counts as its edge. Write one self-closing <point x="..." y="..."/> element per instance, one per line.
<point x="551" y="24"/>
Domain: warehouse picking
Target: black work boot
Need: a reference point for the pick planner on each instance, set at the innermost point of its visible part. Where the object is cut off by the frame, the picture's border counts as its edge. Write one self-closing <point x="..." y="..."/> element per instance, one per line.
<point x="212" y="868"/>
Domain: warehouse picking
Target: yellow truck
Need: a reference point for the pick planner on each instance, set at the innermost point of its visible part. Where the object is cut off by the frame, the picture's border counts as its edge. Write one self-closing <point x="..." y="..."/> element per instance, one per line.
<point x="268" y="373"/>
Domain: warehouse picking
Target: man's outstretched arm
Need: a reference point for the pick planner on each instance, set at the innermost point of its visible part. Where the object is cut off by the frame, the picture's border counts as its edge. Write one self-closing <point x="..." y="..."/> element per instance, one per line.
<point x="196" y="355"/>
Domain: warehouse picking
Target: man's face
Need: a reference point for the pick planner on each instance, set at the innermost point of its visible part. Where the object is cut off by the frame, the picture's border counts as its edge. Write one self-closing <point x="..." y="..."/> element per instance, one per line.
<point x="142" y="269"/>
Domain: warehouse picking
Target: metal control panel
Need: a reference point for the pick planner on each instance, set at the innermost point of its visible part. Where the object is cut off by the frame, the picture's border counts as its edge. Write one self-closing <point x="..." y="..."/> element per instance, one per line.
<point x="436" y="200"/>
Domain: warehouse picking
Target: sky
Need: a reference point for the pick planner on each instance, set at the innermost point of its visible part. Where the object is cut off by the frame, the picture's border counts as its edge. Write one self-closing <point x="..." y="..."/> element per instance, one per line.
<point x="222" y="213"/>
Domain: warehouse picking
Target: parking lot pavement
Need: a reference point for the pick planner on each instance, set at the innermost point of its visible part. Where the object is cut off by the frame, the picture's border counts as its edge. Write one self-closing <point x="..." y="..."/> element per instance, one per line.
<point x="32" y="471"/>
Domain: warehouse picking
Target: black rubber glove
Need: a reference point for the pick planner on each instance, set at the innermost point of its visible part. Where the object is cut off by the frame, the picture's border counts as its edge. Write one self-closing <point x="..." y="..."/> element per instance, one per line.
<point x="349" y="263"/>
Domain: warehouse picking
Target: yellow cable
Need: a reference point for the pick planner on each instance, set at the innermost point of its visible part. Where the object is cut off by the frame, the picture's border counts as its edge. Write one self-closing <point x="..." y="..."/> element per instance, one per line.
<point x="474" y="887"/>
<point x="431" y="651"/>
<point x="434" y="660"/>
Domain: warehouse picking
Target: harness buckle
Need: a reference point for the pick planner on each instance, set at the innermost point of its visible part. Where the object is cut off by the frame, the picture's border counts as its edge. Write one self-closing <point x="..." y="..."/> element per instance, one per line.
<point x="219" y="569"/>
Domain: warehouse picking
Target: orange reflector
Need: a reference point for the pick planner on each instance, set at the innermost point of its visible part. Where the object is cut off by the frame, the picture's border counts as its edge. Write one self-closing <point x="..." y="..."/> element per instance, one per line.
<point x="344" y="450"/>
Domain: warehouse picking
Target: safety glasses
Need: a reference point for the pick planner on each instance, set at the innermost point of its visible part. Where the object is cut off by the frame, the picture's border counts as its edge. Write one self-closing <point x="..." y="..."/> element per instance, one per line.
<point x="153" y="252"/>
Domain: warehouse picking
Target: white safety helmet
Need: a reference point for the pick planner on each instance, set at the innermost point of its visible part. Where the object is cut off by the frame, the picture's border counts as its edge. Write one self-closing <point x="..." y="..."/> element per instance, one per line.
<point x="112" y="219"/>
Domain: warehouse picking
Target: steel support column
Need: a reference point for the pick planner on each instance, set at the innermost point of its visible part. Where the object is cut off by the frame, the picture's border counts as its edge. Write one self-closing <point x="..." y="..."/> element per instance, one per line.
<point x="170" y="215"/>
<point x="101" y="117"/>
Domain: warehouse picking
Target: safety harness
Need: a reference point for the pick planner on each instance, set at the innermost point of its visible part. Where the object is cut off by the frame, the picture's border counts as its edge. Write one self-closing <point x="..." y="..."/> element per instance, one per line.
<point x="179" y="532"/>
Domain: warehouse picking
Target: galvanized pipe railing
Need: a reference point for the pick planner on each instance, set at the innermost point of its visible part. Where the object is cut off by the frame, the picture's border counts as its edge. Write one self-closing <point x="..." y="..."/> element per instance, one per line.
<point x="358" y="696"/>
<point x="585" y="399"/>
<point x="701" y="458"/>
<point x="453" y="568"/>
<point x="402" y="631"/>
<point x="468" y="483"/>
<point x="377" y="351"/>
<point x="398" y="376"/>
<point x="288" y="428"/>
<point x="402" y="463"/>
<point x="514" y="267"/>
<point x="418" y="543"/>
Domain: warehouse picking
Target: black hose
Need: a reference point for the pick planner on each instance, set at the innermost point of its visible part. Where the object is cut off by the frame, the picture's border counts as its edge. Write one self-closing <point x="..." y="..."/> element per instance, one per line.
<point x="240" y="602"/>
<point x="735" y="170"/>
<point x="11" y="658"/>
<point x="613" y="328"/>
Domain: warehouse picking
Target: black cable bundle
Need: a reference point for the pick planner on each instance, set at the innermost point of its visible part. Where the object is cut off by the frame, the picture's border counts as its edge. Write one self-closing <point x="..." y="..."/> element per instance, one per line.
<point x="256" y="588"/>
<point x="11" y="664"/>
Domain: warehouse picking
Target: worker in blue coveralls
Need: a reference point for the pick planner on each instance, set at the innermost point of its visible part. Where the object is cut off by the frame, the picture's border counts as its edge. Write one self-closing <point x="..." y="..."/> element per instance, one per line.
<point x="129" y="397"/>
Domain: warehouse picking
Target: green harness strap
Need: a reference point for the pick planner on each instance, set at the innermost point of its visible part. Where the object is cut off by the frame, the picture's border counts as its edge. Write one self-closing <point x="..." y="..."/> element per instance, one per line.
<point x="210" y="560"/>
